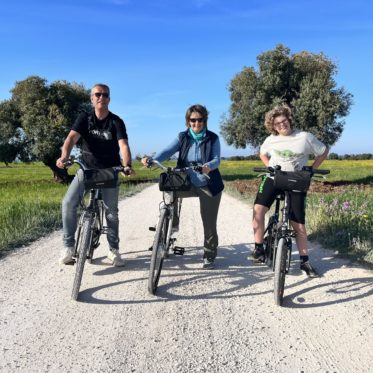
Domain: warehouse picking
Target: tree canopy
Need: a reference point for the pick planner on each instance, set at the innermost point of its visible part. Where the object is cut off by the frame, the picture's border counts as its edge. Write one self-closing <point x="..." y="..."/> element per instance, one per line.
<point x="304" y="81"/>
<point x="44" y="112"/>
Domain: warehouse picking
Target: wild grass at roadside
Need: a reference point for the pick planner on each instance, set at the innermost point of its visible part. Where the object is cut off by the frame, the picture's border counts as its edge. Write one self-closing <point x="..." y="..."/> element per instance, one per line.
<point x="33" y="209"/>
<point x="343" y="222"/>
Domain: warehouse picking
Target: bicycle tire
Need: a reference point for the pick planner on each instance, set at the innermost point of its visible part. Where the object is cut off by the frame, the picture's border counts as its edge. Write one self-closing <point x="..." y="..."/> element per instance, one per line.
<point x="84" y="245"/>
<point x="280" y="271"/>
<point x="158" y="252"/>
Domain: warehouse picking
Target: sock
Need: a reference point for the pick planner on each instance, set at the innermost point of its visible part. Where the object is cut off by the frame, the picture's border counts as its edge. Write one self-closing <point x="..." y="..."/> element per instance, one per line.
<point x="259" y="246"/>
<point x="304" y="258"/>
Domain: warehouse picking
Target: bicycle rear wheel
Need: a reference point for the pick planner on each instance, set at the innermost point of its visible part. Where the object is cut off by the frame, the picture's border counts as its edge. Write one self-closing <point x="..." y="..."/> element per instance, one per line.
<point x="84" y="245"/>
<point x="159" y="251"/>
<point x="280" y="271"/>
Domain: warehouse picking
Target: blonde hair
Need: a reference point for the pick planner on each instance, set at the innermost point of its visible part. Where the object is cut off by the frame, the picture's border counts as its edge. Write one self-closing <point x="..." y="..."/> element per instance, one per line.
<point x="275" y="112"/>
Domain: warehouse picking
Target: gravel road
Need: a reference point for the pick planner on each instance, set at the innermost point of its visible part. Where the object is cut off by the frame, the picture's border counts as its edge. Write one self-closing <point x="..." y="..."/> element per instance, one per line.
<point x="223" y="320"/>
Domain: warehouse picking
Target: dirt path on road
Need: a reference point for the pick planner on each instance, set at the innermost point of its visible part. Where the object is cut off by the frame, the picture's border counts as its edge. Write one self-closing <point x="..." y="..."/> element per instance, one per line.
<point x="201" y="321"/>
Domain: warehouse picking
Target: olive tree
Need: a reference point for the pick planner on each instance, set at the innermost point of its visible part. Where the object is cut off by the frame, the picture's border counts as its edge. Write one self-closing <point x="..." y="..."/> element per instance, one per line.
<point x="304" y="81"/>
<point x="45" y="113"/>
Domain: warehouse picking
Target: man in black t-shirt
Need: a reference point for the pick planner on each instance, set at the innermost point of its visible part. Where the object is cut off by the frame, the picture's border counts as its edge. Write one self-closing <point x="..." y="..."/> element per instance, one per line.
<point x="103" y="136"/>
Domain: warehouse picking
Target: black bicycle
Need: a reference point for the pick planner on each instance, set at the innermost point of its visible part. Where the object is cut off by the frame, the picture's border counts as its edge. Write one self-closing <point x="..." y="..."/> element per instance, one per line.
<point x="279" y="232"/>
<point x="91" y="223"/>
<point x="171" y="181"/>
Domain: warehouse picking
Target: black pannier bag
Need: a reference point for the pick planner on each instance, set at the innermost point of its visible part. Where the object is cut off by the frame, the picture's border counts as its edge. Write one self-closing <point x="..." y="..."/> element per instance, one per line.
<point x="102" y="178"/>
<point x="172" y="181"/>
<point x="298" y="181"/>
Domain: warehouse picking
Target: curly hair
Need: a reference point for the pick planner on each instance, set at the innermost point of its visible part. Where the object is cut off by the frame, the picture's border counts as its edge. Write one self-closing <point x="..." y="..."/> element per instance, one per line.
<point x="196" y="109"/>
<point x="275" y="112"/>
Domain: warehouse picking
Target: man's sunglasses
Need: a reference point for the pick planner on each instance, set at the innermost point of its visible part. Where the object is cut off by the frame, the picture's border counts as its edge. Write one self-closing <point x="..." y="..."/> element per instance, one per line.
<point x="194" y="120"/>
<point x="99" y="94"/>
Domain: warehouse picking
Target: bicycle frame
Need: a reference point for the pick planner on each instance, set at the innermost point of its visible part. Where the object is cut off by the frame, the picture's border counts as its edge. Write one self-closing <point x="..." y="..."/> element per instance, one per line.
<point x="284" y="228"/>
<point x="94" y="208"/>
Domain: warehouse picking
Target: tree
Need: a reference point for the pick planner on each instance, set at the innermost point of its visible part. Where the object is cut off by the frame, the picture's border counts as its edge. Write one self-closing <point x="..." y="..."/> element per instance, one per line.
<point x="304" y="81"/>
<point x="45" y="114"/>
<point x="12" y="140"/>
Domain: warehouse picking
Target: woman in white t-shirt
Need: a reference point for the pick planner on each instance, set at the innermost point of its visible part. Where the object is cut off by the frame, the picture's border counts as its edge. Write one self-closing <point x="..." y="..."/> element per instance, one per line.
<point x="290" y="149"/>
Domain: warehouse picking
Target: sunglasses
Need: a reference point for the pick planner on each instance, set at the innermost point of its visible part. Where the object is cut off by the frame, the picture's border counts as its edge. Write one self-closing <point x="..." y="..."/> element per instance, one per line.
<point x="99" y="94"/>
<point x="199" y="120"/>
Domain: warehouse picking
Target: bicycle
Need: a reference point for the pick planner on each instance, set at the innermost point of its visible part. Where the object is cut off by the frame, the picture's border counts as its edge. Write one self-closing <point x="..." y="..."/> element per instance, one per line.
<point x="91" y="223"/>
<point x="177" y="180"/>
<point x="278" y="233"/>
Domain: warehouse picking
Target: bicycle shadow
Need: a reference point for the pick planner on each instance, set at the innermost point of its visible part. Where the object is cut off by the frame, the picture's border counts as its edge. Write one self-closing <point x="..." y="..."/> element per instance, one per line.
<point x="183" y="272"/>
<point x="356" y="285"/>
<point x="180" y="274"/>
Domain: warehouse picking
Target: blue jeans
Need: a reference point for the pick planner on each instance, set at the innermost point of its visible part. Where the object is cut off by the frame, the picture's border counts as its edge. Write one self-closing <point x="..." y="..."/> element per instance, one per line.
<point x="70" y="206"/>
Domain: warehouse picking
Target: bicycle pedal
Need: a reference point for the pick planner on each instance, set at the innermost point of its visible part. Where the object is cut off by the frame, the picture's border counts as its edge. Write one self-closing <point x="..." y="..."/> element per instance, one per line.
<point x="153" y="228"/>
<point x="178" y="250"/>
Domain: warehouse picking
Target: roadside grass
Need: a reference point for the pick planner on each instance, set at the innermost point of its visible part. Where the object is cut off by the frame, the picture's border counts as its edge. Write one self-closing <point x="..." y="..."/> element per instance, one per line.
<point x="340" y="217"/>
<point x="343" y="221"/>
<point x="30" y="203"/>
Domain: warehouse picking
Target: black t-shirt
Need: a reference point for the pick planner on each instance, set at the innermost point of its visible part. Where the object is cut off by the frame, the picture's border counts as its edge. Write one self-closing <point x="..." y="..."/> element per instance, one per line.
<point x="100" y="139"/>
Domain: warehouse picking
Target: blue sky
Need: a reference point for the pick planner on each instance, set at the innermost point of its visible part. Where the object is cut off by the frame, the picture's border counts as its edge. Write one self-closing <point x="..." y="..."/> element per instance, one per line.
<point x="161" y="56"/>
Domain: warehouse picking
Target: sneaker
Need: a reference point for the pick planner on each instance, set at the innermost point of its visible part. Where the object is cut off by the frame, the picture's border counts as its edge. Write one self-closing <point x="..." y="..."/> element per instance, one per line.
<point x="208" y="263"/>
<point x="310" y="271"/>
<point x="115" y="258"/>
<point x="258" y="254"/>
<point x="66" y="255"/>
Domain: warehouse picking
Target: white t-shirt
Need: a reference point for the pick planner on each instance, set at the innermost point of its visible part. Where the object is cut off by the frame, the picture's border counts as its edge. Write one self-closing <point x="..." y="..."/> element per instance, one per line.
<point x="291" y="152"/>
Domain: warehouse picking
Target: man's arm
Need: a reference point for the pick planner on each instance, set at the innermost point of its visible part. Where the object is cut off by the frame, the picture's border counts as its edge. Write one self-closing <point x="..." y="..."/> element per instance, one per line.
<point x="70" y="141"/>
<point x="126" y="154"/>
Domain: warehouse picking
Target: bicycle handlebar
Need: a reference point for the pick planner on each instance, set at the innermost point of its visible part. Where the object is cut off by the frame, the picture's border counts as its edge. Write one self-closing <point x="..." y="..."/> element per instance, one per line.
<point x="272" y="170"/>
<point x="82" y="165"/>
<point x="196" y="167"/>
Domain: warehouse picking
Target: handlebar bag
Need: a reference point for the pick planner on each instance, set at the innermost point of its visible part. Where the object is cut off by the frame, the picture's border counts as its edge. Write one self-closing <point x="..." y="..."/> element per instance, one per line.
<point x="172" y="181"/>
<point x="298" y="181"/>
<point x="101" y="178"/>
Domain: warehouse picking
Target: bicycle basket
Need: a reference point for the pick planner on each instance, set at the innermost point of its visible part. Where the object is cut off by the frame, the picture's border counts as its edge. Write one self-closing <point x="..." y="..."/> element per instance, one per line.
<point x="298" y="181"/>
<point x="171" y="181"/>
<point x="102" y="178"/>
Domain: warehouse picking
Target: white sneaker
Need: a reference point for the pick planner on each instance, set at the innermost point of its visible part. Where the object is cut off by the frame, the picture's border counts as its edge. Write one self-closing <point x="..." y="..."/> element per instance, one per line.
<point x="115" y="258"/>
<point x="66" y="255"/>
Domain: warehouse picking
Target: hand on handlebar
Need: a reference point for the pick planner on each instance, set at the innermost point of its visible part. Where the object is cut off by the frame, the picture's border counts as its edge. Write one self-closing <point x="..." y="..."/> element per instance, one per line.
<point x="206" y="169"/>
<point x="63" y="163"/>
<point x="128" y="171"/>
<point x="146" y="161"/>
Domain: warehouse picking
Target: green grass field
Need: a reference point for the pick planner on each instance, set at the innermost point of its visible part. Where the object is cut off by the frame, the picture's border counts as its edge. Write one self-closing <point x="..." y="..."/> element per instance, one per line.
<point x="30" y="202"/>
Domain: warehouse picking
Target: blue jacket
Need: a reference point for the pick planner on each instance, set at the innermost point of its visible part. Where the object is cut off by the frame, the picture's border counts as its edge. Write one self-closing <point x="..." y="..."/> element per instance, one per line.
<point x="206" y="152"/>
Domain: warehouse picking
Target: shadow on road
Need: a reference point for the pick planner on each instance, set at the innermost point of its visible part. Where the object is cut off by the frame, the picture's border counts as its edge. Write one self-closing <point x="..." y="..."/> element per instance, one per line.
<point x="183" y="278"/>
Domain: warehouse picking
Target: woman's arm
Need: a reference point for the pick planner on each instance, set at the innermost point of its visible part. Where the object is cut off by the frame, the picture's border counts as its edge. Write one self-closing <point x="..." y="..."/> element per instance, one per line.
<point x="215" y="158"/>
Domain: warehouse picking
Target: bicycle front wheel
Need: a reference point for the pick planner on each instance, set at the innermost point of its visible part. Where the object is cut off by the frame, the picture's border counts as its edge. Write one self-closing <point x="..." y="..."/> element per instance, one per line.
<point x="280" y="271"/>
<point x="159" y="251"/>
<point x="84" y="245"/>
<point x="269" y="243"/>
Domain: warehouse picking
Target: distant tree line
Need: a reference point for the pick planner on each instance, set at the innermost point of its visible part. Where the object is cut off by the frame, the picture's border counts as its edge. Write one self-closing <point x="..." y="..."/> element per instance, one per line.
<point x="332" y="156"/>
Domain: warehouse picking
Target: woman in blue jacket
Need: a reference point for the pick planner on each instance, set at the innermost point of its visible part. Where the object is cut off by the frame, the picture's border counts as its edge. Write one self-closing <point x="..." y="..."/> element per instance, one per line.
<point x="198" y="144"/>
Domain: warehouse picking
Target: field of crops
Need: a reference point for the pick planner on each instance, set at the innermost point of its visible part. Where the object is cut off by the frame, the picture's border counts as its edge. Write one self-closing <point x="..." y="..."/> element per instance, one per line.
<point x="339" y="213"/>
